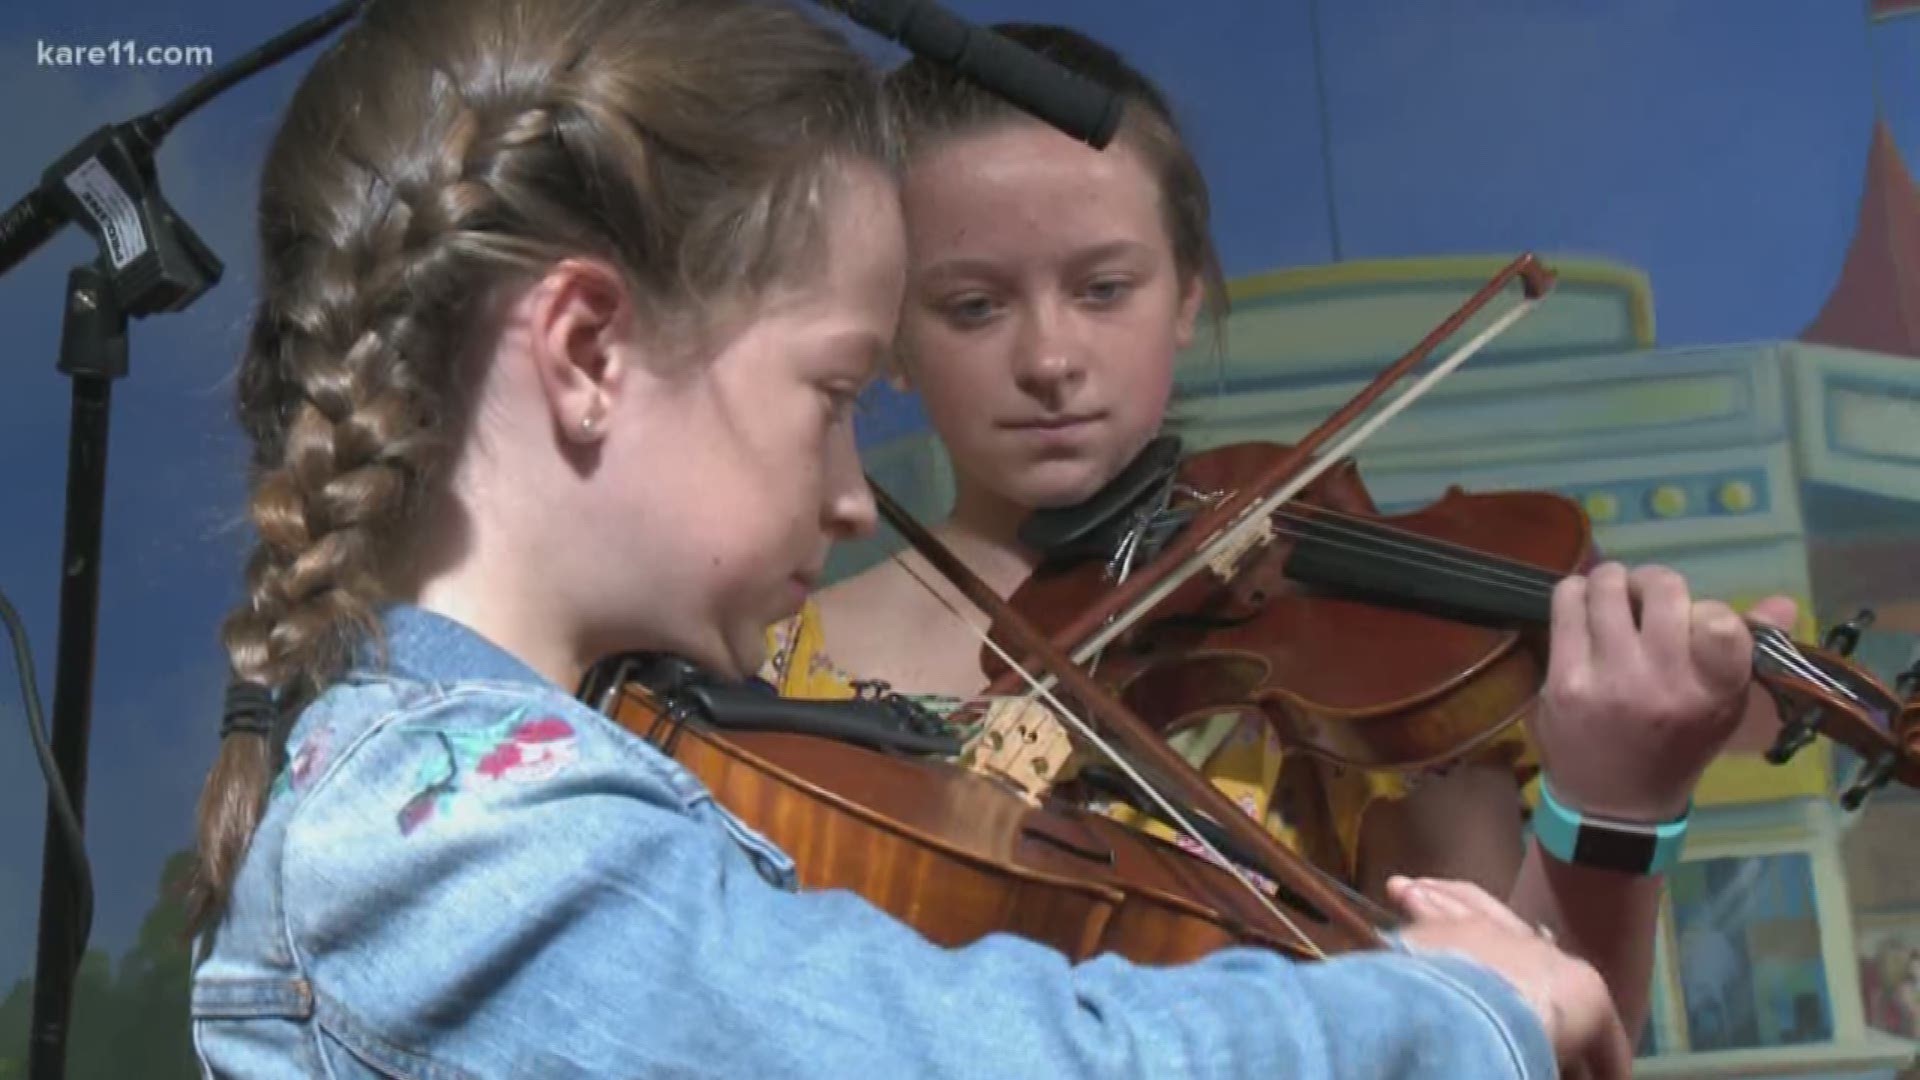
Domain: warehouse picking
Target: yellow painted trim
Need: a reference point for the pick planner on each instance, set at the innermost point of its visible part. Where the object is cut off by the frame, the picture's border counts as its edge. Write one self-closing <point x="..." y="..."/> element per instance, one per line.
<point x="1674" y="997"/>
<point x="1274" y="283"/>
<point x="1734" y="779"/>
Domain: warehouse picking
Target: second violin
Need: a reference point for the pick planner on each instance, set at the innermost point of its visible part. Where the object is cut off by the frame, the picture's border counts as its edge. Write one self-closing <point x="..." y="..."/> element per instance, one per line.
<point x="1380" y="641"/>
<point x="1373" y="641"/>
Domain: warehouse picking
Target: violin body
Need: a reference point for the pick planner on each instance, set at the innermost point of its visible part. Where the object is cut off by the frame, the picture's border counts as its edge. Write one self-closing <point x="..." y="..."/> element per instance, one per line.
<point x="959" y="856"/>
<point x="1370" y="640"/>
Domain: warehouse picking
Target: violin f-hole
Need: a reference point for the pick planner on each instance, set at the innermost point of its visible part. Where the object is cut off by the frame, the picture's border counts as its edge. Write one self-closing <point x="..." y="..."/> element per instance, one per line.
<point x="1082" y="844"/>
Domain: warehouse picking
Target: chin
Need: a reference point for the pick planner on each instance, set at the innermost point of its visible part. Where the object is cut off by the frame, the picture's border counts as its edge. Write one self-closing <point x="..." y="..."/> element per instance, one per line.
<point x="1054" y="484"/>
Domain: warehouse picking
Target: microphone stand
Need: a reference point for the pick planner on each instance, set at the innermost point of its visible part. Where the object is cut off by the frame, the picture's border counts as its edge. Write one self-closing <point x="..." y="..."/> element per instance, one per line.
<point x="150" y="261"/>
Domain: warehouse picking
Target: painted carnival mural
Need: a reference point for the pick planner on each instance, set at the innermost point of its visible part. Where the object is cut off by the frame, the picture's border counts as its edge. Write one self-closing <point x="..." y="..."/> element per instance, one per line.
<point x="1726" y="378"/>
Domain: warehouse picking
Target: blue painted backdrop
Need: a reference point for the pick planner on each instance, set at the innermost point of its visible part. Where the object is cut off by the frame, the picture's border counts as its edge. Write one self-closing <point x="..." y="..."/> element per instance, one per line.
<point x="1719" y="147"/>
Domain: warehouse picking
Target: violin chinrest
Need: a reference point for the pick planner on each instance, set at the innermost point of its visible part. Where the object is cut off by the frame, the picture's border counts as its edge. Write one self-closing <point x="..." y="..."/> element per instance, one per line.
<point x="1092" y="529"/>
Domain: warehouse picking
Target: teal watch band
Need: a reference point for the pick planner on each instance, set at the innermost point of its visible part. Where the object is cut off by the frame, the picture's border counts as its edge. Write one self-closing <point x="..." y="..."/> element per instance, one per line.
<point x="1629" y="847"/>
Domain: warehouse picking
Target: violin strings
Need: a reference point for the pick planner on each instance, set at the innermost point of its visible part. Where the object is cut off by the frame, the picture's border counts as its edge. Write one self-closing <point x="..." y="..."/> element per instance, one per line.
<point x="1086" y="731"/>
<point x="1475" y="567"/>
<point x="1385" y="542"/>
<point x="1463" y="552"/>
<point x="1780" y="648"/>
<point x="1418" y="552"/>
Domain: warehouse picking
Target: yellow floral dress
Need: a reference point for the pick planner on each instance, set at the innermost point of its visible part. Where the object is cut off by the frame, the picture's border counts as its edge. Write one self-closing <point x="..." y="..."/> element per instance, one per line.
<point x="1313" y="807"/>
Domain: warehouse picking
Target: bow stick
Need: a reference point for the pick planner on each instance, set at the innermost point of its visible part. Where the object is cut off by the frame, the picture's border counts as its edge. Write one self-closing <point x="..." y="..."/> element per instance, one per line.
<point x="1201" y="545"/>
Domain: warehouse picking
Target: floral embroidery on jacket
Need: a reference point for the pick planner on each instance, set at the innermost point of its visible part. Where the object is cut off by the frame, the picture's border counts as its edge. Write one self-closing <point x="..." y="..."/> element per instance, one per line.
<point x="515" y="750"/>
<point x="309" y="757"/>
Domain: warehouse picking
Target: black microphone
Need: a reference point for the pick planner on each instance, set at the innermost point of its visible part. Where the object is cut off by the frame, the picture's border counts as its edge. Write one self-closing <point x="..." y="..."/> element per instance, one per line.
<point x="30" y="223"/>
<point x="1079" y="107"/>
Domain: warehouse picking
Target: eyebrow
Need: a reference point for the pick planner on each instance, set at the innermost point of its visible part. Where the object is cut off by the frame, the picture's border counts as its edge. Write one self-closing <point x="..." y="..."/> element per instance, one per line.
<point x="1112" y="249"/>
<point x="971" y="267"/>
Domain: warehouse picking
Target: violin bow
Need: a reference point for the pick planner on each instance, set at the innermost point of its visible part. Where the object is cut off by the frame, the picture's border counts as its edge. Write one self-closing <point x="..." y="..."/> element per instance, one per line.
<point x="1140" y="741"/>
<point x="1243" y="519"/>
<point x="1224" y="525"/>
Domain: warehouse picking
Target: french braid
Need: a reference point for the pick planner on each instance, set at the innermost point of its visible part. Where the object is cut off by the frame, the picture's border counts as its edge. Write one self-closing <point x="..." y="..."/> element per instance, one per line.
<point x="443" y="151"/>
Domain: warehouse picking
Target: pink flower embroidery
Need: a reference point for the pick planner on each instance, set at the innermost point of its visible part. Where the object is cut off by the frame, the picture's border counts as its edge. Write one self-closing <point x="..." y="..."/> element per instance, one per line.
<point x="537" y="750"/>
<point x="310" y="758"/>
<point x="514" y="749"/>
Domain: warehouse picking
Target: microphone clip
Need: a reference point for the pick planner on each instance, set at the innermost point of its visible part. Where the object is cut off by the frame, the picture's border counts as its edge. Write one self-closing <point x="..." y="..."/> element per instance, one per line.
<point x="152" y="258"/>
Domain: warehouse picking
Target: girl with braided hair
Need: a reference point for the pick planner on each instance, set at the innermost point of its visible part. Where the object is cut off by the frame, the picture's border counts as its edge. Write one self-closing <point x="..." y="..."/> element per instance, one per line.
<point x="1051" y="288"/>
<point x="564" y="305"/>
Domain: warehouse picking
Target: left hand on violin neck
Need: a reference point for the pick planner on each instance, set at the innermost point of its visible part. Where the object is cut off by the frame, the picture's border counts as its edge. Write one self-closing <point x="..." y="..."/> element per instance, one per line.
<point x="1635" y="709"/>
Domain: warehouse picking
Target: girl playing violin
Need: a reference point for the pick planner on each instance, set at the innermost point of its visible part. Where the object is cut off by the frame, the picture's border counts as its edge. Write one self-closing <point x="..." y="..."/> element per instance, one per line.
<point x="1050" y="288"/>
<point x="564" y="305"/>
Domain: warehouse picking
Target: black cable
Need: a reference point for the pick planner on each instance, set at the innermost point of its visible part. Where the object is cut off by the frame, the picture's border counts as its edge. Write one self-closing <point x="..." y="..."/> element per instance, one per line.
<point x="56" y="788"/>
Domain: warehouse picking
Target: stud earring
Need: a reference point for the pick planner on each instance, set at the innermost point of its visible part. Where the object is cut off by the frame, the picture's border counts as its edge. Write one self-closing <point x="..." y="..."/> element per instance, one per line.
<point x="586" y="424"/>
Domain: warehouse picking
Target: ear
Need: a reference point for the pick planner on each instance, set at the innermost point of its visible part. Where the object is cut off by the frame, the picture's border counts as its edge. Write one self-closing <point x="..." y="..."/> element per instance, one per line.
<point x="585" y="344"/>
<point x="1191" y="297"/>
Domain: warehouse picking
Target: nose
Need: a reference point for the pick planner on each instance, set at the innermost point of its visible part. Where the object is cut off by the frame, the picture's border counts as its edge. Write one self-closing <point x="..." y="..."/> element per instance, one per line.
<point x="1049" y="359"/>
<point x="849" y="512"/>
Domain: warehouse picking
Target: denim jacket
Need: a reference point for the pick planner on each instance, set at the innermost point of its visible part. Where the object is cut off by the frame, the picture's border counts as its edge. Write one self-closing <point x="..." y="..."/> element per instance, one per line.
<point x="465" y="872"/>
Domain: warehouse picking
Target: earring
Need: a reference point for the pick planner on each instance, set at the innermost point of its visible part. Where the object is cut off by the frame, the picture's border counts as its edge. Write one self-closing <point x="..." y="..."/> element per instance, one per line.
<point x="586" y="424"/>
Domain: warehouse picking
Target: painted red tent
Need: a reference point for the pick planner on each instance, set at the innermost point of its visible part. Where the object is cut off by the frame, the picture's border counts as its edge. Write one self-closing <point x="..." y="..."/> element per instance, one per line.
<point x="1876" y="303"/>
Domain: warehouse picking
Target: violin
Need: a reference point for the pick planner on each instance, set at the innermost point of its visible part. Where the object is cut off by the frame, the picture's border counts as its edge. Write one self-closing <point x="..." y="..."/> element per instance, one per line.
<point x="1384" y="641"/>
<point x="1373" y="641"/>
<point x="1370" y="641"/>
<point x="845" y="789"/>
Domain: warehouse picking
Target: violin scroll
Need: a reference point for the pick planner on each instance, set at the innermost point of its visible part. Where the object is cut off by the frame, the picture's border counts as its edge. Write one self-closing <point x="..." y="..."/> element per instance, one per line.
<point x="1819" y="691"/>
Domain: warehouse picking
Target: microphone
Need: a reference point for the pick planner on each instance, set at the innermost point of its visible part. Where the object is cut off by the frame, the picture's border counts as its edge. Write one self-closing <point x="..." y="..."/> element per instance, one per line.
<point x="31" y="222"/>
<point x="1077" y="106"/>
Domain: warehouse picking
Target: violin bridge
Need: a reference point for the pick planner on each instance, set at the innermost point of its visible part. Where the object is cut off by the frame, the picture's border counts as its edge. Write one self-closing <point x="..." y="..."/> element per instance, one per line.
<point x="1022" y="742"/>
<point x="1246" y="537"/>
